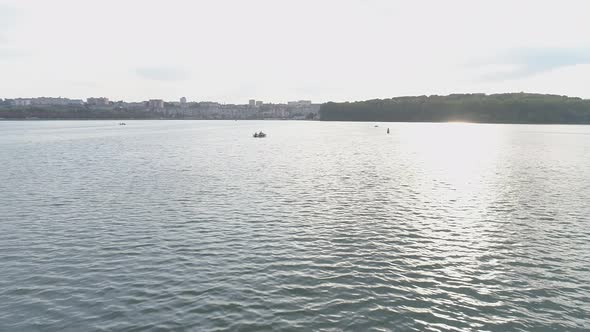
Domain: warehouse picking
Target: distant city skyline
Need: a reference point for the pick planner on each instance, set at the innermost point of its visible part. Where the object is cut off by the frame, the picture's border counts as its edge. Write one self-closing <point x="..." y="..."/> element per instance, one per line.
<point x="231" y="51"/>
<point x="101" y="101"/>
<point x="102" y="107"/>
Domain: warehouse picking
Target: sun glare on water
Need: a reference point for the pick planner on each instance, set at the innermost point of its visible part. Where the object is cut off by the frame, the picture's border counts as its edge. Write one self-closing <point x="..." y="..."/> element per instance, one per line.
<point x="455" y="153"/>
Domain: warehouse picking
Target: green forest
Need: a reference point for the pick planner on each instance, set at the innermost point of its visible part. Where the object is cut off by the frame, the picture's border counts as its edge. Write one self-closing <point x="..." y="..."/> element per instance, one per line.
<point x="495" y="108"/>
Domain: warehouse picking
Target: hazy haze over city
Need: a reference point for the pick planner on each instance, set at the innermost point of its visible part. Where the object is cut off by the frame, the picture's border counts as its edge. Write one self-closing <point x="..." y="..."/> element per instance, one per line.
<point x="230" y="50"/>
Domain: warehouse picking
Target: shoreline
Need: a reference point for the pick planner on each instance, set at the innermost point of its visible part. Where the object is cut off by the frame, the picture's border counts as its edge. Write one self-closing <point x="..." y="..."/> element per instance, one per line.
<point x="304" y="120"/>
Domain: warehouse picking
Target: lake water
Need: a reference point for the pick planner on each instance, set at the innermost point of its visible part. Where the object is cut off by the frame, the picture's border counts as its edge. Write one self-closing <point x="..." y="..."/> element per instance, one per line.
<point x="320" y="226"/>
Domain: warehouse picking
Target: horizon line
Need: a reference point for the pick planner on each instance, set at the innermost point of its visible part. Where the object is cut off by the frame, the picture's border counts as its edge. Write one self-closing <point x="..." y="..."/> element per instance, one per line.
<point x="298" y="100"/>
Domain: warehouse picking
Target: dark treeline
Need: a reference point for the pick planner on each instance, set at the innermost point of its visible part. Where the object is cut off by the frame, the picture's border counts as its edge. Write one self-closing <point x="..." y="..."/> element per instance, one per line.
<point x="74" y="113"/>
<point x="496" y="108"/>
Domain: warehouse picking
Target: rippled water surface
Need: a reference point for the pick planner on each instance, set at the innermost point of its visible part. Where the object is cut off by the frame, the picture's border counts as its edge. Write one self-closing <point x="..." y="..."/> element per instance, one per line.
<point x="319" y="226"/>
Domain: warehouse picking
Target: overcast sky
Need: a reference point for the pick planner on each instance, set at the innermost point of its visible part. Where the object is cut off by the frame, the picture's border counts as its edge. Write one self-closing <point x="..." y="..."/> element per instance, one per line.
<point x="279" y="50"/>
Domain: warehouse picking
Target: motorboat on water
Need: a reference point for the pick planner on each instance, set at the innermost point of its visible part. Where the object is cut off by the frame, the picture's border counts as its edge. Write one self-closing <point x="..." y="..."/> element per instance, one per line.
<point x="122" y="124"/>
<point x="259" y="135"/>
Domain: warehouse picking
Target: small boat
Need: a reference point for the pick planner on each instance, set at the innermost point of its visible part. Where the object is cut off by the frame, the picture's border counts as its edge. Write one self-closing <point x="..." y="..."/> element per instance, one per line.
<point x="122" y="124"/>
<point x="388" y="130"/>
<point x="259" y="135"/>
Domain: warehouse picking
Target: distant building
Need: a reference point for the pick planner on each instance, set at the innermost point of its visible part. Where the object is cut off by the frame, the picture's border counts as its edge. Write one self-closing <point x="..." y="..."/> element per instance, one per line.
<point x="102" y="101"/>
<point x="300" y="103"/>
<point x="156" y="104"/>
<point x="183" y="103"/>
<point x="76" y="102"/>
<point x="50" y="101"/>
<point x="258" y="103"/>
<point x="209" y="104"/>
<point x="45" y="101"/>
<point x="303" y="109"/>
<point x="252" y="103"/>
<point x="22" y="102"/>
<point x="134" y="105"/>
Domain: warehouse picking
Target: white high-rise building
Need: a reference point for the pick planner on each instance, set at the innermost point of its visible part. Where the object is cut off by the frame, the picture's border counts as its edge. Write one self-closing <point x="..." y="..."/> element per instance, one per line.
<point x="156" y="104"/>
<point x="22" y="102"/>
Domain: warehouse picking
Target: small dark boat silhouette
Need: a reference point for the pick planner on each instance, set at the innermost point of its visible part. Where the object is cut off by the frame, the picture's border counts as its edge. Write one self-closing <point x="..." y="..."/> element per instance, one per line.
<point x="259" y="135"/>
<point x="122" y="124"/>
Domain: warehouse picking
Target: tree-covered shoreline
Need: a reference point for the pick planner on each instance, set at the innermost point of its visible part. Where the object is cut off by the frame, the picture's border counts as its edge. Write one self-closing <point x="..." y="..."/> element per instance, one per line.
<point x="73" y="113"/>
<point x="480" y="108"/>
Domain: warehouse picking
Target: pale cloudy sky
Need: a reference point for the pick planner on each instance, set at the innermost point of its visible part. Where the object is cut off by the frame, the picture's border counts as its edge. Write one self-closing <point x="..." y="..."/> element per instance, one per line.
<point x="278" y="50"/>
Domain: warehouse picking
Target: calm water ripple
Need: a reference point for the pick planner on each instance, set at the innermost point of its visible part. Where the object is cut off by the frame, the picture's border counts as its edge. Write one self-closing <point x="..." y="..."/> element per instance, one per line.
<point x="194" y="225"/>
